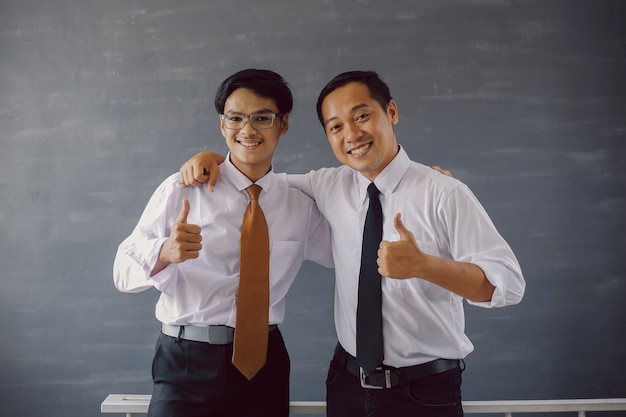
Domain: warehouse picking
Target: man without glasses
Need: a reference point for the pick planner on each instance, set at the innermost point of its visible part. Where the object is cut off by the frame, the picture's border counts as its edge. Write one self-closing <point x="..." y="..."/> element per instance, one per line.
<point x="438" y="247"/>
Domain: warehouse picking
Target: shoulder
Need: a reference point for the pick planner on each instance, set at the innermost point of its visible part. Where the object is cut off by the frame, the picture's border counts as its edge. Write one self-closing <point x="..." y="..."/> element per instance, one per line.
<point x="172" y="185"/>
<point x="426" y="181"/>
<point x="172" y="182"/>
<point x="167" y="187"/>
<point x="423" y="173"/>
<point x="172" y="188"/>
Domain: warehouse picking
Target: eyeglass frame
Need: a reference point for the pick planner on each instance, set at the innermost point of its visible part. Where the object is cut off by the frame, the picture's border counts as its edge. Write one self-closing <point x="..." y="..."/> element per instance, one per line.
<point x="248" y="118"/>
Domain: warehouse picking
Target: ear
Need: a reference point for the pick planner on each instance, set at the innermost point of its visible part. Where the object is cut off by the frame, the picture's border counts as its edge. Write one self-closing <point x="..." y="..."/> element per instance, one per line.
<point x="392" y="112"/>
<point x="284" y="124"/>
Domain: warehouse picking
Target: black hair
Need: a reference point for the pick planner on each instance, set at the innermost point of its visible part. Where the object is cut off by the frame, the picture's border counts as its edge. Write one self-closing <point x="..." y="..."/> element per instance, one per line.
<point x="378" y="90"/>
<point x="265" y="83"/>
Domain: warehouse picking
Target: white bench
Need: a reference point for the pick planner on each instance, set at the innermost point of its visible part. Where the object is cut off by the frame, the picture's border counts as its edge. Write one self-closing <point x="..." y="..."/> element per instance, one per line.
<point x="138" y="404"/>
<point x="131" y="405"/>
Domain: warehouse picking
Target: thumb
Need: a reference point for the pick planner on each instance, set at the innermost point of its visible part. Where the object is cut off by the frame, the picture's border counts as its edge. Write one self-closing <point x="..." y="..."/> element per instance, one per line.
<point x="184" y="212"/>
<point x="400" y="228"/>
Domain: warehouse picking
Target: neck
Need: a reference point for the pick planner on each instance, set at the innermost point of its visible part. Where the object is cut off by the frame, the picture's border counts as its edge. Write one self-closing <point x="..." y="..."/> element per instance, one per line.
<point x="253" y="172"/>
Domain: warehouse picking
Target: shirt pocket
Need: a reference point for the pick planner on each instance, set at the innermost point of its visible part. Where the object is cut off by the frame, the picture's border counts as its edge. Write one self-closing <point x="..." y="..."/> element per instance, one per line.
<point x="429" y="248"/>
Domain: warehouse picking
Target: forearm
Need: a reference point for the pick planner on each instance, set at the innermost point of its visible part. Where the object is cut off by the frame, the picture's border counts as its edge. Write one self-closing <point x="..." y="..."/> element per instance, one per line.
<point x="163" y="259"/>
<point x="159" y="266"/>
<point x="465" y="279"/>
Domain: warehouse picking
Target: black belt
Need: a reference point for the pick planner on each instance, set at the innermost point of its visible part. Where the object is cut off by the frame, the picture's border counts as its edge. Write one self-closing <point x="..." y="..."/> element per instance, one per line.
<point x="390" y="377"/>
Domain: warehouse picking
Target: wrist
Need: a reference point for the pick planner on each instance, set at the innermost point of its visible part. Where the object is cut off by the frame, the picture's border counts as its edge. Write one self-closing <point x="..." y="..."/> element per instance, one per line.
<point x="161" y="261"/>
<point x="432" y="268"/>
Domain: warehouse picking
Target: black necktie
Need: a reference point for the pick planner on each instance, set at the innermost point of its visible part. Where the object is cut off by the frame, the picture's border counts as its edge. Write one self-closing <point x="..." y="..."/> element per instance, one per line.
<point x="369" y="316"/>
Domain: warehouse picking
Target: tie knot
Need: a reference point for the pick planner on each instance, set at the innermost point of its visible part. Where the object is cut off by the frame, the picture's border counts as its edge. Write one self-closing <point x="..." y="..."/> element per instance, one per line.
<point x="372" y="191"/>
<point x="253" y="191"/>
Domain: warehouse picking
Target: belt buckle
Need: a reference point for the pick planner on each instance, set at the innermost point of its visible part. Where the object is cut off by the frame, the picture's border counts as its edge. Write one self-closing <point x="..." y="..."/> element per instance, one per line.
<point x="363" y="375"/>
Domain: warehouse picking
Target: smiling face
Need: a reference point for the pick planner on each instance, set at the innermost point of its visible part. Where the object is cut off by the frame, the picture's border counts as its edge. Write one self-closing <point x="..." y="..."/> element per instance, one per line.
<point x="359" y="130"/>
<point x="251" y="150"/>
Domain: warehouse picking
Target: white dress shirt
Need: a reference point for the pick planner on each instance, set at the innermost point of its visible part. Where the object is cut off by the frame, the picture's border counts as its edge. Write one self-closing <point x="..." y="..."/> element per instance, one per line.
<point x="421" y="321"/>
<point x="202" y="291"/>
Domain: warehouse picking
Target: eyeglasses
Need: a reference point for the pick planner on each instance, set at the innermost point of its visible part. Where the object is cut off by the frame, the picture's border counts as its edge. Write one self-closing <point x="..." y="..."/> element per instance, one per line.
<point x="258" y="120"/>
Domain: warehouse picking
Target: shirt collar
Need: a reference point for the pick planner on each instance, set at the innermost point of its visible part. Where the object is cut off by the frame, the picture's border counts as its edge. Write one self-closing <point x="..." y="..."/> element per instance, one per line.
<point x="389" y="177"/>
<point x="240" y="181"/>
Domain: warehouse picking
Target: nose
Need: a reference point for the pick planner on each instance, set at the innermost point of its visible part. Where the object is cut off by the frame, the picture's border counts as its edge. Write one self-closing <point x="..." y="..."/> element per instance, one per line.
<point x="247" y="126"/>
<point x="352" y="132"/>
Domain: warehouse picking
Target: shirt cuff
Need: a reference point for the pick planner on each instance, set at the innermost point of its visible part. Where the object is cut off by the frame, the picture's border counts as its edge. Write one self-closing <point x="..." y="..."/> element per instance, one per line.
<point x="495" y="274"/>
<point x="146" y="253"/>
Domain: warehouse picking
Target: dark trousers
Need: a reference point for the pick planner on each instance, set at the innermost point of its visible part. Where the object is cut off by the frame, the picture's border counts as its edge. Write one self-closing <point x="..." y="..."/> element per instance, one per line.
<point x="437" y="395"/>
<point x="195" y="379"/>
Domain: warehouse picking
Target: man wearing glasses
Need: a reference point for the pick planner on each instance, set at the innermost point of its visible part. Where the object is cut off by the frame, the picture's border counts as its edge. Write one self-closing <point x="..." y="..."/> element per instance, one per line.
<point x="187" y="246"/>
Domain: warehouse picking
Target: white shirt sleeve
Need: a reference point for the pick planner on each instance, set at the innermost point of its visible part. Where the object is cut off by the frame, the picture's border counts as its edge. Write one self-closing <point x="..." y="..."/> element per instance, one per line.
<point x="319" y="248"/>
<point x="474" y="238"/>
<point x="318" y="244"/>
<point x="302" y="183"/>
<point x="138" y="253"/>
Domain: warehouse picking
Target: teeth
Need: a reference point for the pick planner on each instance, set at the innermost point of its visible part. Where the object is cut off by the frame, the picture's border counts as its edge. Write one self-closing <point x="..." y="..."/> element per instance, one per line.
<point x="250" y="144"/>
<point x="360" y="150"/>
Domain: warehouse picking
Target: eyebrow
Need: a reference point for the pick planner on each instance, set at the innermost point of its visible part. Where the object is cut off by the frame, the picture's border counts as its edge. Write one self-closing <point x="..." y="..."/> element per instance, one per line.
<point x="254" y="112"/>
<point x="355" y="108"/>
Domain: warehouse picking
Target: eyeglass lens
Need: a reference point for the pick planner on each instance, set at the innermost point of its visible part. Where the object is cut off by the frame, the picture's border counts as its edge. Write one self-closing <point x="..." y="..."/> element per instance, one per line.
<point x="258" y="120"/>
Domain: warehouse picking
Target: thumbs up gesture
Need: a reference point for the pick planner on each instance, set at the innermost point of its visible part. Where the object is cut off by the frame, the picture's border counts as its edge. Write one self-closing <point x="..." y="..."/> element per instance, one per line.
<point x="403" y="258"/>
<point x="184" y="241"/>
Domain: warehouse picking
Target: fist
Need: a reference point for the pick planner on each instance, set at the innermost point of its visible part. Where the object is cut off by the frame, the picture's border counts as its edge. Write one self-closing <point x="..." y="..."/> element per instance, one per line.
<point x="400" y="259"/>
<point x="184" y="241"/>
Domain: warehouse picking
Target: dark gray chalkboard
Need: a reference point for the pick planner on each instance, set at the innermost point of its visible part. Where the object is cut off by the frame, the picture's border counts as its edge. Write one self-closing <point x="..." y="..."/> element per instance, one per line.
<point x="525" y="101"/>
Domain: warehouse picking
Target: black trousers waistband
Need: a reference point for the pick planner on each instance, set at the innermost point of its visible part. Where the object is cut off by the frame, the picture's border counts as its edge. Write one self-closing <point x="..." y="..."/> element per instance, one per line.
<point x="389" y="376"/>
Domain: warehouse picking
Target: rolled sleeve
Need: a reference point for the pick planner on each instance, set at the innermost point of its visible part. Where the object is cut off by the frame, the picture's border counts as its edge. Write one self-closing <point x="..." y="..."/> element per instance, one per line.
<point x="138" y="253"/>
<point x="475" y="239"/>
<point x="134" y="262"/>
<point x="507" y="280"/>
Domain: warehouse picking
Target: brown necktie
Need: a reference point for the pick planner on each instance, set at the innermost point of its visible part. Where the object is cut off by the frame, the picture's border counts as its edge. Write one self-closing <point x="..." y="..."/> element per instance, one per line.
<point x="251" y="328"/>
